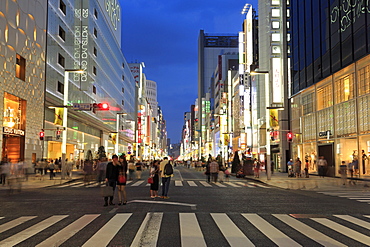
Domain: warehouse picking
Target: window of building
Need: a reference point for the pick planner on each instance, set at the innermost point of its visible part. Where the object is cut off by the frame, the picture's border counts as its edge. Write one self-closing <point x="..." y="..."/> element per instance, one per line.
<point x="62" y="33"/>
<point x="344" y="89"/>
<point x="123" y="77"/>
<point x="123" y="90"/>
<point x="275" y="12"/>
<point x="96" y="13"/>
<point x="275" y="2"/>
<point x="94" y="90"/>
<point x="20" y="67"/>
<point x="95" y="51"/>
<point x="364" y="80"/>
<point x="62" y="7"/>
<point x="307" y="103"/>
<point x="123" y="102"/>
<point x="95" y="32"/>
<point x="275" y="24"/>
<point x="61" y="60"/>
<point x="60" y="87"/>
<point x="275" y="37"/>
<point x="123" y="65"/>
<point x="276" y="49"/>
<point x="94" y="70"/>
<point x="324" y="96"/>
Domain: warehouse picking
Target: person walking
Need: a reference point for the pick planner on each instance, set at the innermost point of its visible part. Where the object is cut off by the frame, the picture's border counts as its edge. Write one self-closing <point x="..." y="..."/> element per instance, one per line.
<point x="154" y="173"/>
<point x="290" y="168"/>
<point x="51" y="169"/>
<point x="111" y="177"/>
<point x="322" y="164"/>
<point x="131" y="168"/>
<point x="121" y="181"/>
<point x="101" y="167"/>
<point x="214" y="169"/>
<point x="166" y="174"/>
<point x="343" y="172"/>
<point x="256" y="166"/>
<point x="297" y="168"/>
<point x="139" y="167"/>
<point x="207" y="172"/>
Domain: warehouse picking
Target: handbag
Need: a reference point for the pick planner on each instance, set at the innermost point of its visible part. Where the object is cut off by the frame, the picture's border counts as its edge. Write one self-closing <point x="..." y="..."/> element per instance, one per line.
<point x="106" y="191"/>
<point x="121" y="179"/>
<point x="150" y="180"/>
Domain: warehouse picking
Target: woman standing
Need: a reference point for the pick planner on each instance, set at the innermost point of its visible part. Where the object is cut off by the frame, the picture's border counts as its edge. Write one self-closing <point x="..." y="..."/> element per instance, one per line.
<point x="131" y="168"/>
<point x="121" y="184"/>
<point x="154" y="172"/>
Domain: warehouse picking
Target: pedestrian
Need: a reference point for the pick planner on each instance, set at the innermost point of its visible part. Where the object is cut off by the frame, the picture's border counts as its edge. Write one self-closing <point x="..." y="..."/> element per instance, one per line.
<point x="343" y="172"/>
<point x="221" y="170"/>
<point x="101" y="167"/>
<point x="355" y="165"/>
<point x="214" y="169"/>
<point x="272" y="164"/>
<point x="235" y="165"/>
<point x="51" y="170"/>
<point x="290" y="168"/>
<point x="297" y="167"/>
<point x="139" y="167"/>
<point x="364" y="158"/>
<point x="131" y="168"/>
<point x="351" y="172"/>
<point x="166" y="174"/>
<point x="207" y="172"/>
<point x="121" y="182"/>
<point x="4" y="167"/>
<point x="111" y="177"/>
<point x="322" y="164"/>
<point x="154" y="173"/>
<point x="306" y="168"/>
<point x="227" y="174"/>
<point x="256" y="168"/>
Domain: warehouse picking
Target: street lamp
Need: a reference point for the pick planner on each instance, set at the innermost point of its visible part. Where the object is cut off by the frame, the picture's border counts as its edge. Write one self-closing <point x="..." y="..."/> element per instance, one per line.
<point x="117" y="129"/>
<point x="65" y="116"/>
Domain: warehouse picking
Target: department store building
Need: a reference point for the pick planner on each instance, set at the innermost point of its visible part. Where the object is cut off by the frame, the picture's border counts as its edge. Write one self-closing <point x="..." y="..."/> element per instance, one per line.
<point x="86" y="34"/>
<point x="331" y="83"/>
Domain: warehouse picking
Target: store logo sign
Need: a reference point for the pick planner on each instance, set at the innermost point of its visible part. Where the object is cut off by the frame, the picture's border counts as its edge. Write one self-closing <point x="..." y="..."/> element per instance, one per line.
<point x="11" y="131"/>
<point x="114" y="12"/>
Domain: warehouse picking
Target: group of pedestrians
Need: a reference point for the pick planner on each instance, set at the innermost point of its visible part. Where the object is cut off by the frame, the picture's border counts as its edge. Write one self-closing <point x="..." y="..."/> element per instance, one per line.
<point x="215" y="171"/>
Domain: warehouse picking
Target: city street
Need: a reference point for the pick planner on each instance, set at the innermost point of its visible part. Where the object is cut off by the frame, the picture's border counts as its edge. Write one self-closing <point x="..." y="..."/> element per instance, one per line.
<point x="238" y="213"/>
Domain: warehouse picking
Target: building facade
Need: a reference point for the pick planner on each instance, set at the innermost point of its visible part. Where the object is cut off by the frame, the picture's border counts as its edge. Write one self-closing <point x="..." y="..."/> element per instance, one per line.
<point x="330" y="83"/>
<point x="22" y="78"/>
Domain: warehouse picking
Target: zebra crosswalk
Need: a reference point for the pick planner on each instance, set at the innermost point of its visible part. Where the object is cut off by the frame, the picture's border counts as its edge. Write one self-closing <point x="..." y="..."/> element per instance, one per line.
<point x="359" y="196"/>
<point x="176" y="183"/>
<point x="195" y="229"/>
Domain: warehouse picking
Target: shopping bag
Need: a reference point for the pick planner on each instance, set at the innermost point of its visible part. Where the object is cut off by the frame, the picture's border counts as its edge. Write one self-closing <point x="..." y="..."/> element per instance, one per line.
<point x="121" y="179"/>
<point x="150" y="180"/>
<point x="106" y="191"/>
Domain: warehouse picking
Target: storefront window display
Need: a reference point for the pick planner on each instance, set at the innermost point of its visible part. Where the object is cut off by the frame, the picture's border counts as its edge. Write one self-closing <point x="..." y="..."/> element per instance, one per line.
<point x="365" y="155"/>
<point x="346" y="150"/>
<point x="310" y="155"/>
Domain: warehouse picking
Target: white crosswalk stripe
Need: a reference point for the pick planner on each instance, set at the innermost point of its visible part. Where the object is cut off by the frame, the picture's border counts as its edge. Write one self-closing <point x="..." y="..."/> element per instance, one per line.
<point x="178" y="183"/>
<point x="192" y="184"/>
<point x="205" y="184"/>
<point x="359" y="196"/>
<point x="191" y="232"/>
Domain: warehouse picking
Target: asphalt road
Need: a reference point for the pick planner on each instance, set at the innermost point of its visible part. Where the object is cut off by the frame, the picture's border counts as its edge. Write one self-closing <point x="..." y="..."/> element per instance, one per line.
<point x="240" y="213"/>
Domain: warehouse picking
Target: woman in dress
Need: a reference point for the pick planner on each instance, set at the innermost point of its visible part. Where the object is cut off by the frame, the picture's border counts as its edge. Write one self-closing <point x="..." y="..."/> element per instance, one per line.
<point x="122" y="171"/>
<point x="154" y="172"/>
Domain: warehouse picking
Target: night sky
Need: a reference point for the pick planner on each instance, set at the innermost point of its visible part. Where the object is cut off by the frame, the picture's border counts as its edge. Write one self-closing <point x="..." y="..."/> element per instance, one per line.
<point x="164" y="35"/>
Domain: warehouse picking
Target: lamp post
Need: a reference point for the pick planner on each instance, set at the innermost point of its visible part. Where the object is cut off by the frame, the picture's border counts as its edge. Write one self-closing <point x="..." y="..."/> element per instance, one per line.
<point x="267" y="116"/>
<point x="65" y="116"/>
<point x="117" y="129"/>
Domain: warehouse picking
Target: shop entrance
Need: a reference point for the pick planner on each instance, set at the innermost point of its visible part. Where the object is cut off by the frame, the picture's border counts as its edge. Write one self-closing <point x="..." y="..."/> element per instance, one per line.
<point x="327" y="151"/>
<point x="13" y="148"/>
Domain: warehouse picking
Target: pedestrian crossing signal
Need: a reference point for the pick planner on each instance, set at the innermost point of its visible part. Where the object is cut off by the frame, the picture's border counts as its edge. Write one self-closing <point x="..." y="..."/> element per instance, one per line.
<point x="42" y="135"/>
<point x="289" y="136"/>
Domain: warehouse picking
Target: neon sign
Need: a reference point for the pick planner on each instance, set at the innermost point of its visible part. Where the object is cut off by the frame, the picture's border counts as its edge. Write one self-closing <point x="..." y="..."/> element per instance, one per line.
<point x="348" y="12"/>
<point x="114" y="12"/>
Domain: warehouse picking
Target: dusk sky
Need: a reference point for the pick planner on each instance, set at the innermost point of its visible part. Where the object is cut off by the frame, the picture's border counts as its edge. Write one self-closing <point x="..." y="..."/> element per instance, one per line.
<point x="164" y="35"/>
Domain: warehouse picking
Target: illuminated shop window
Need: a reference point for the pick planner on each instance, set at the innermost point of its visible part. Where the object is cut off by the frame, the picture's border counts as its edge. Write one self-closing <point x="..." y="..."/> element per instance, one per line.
<point x="344" y="89"/>
<point x="324" y="97"/>
<point x="307" y="103"/>
<point x="20" y="67"/>
<point x="364" y="80"/>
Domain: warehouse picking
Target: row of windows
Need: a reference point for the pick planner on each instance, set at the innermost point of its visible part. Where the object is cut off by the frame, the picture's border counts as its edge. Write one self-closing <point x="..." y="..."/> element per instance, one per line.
<point x="63" y="8"/>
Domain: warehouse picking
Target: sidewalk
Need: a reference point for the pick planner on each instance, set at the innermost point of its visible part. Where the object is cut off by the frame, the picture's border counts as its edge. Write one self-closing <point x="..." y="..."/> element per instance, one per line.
<point x="314" y="182"/>
<point x="35" y="181"/>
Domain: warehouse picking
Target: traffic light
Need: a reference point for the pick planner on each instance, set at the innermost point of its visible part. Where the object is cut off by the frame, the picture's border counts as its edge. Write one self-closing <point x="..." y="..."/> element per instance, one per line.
<point x="42" y="135"/>
<point x="101" y="106"/>
<point x="289" y="136"/>
<point x="272" y="135"/>
<point x="58" y="134"/>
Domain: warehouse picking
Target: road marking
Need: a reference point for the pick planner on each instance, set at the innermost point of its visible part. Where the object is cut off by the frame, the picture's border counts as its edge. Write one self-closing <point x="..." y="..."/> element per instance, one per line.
<point x="231" y="232"/>
<point x="257" y="185"/>
<point x="270" y="231"/>
<point x="147" y="235"/>
<point x="308" y="231"/>
<point x="363" y="200"/>
<point x="192" y="184"/>
<point x="29" y="232"/>
<point x="178" y="183"/>
<point x="355" y="221"/>
<point x="191" y="234"/>
<point x="232" y="184"/>
<point x="15" y="223"/>
<point x="193" y="206"/>
<point x="220" y="185"/>
<point x="63" y="235"/>
<point x="138" y="183"/>
<point x="113" y="210"/>
<point x="344" y="230"/>
<point x="358" y="198"/>
<point x="179" y="174"/>
<point x="108" y="231"/>
<point x="205" y="184"/>
<point x="241" y="183"/>
<point x="78" y="185"/>
<point x="1" y="218"/>
<point x="67" y="184"/>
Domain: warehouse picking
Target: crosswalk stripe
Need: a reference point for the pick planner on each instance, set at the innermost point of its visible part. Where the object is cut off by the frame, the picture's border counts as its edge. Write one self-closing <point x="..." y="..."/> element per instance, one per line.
<point x="67" y="185"/>
<point x="308" y="231"/>
<point x="368" y="216"/>
<point x="354" y="220"/>
<point x="205" y="184"/>
<point x="1" y="218"/>
<point x="138" y="183"/>
<point x="14" y="223"/>
<point x="108" y="231"/>
<point x="67" y="232"/>
<point x="92" y="185"/>
<point x="191" y="234"/>
<point x="192" y="184"/>
<point x="78" y="185"/>
<point x="220" y="185"/>
<point x="231" y="232"/>
<point x="232" y="184"/>
<point x="29" y="232"/>
<point x="178" y="183"/>
<point x="270" y="231"/>
<point x="343" y="230"/>
<point x="241" y="183"/>
<point x="359" y="198"/>
<point x="148" y="232"/>
<point x="363" y="200"/>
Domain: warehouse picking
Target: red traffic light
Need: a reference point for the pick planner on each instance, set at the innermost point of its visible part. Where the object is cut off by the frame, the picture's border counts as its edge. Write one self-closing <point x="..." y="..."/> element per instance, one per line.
<point x="101" y="106"/>
<point x="42" y="135"/>
<point x="289" y="136"/>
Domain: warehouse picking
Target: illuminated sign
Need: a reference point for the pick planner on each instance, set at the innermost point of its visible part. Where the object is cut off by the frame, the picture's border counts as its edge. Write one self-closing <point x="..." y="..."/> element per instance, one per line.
<point x="11" y="131"/>
<point x="81" y="41"/>
<point x="113" y="11"/>
<point x="348" y="12"/>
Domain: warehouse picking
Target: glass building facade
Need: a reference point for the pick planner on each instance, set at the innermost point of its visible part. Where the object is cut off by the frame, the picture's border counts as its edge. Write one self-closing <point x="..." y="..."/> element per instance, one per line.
<point x="330" y="45"/>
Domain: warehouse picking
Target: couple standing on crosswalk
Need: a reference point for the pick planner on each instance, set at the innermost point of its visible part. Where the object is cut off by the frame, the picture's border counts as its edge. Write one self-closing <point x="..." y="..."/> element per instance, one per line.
<point x="165" y="171"/>
<point x="116" y="175"/>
